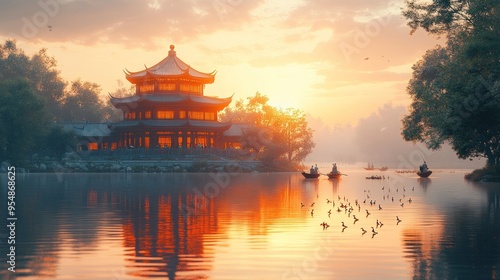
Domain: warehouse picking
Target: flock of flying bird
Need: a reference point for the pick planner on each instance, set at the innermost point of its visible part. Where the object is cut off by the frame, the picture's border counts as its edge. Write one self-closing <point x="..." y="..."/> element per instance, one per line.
<point x="343" y="205"/>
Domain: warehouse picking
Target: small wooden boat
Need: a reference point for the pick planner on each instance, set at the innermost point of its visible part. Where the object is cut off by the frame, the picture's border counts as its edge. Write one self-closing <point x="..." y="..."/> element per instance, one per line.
<point x="424" y="174"/>
<point x="310" y="175"/>
<point x="334" y="175"/>
<point x="384" y="168"/>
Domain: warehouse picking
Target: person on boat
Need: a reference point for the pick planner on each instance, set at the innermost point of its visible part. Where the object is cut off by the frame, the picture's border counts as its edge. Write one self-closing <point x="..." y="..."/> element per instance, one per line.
<point x="423" y="167"/>
<point x="334" y="169"/>
<point x="316" y="169"/>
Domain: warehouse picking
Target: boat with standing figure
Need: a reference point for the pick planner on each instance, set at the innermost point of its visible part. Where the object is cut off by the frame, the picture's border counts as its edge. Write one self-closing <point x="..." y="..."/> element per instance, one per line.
<point x="310" y="175"/>
<point x="424" y="171"/>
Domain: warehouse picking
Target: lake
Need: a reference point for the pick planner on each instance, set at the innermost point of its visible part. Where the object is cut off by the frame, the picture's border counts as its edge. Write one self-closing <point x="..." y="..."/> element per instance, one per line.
<point x="253" y="226"/>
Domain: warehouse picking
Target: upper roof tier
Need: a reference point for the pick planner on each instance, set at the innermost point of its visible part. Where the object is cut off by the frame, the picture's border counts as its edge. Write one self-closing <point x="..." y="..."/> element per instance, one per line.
<point x="170" y="67"/>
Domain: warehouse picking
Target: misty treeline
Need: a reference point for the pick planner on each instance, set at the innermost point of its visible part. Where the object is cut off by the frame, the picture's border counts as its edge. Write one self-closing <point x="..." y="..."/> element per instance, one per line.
<point x="455" y="88"/>
<point x="280" y="138"/>
<point x="34" y="97"/>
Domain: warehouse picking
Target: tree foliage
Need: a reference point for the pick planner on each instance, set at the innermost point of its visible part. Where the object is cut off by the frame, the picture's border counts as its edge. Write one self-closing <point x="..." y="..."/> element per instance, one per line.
<point x="59" y="141"/>
<point x="39" y="71"/>
<point x="280" y="137"/>
<point x="456" y="88"/>
<point x="23" y="119"/>
<point x="32" y="95"/>
<point x="82" y="103"/>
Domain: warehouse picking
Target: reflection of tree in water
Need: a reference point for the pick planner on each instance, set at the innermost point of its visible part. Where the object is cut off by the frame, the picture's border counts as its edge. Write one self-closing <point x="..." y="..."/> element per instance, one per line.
<point x="42" y="204"/>
<point x="469" y="246"/>
<point x="420" y="248"/>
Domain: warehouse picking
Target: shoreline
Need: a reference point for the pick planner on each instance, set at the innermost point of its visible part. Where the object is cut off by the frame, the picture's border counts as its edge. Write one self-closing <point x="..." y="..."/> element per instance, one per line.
<point x="182" y="166"/>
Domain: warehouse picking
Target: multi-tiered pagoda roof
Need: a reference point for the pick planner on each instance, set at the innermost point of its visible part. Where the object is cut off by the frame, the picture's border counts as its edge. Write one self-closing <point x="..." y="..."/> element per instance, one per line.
<point x="169" y="107"/>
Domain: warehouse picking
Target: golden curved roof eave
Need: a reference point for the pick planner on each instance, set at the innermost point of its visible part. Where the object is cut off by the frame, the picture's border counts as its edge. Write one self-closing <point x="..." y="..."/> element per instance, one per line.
<point x="170" y="66"/>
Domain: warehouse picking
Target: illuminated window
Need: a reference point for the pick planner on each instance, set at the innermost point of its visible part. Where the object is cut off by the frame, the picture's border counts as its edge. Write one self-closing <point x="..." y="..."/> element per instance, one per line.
<point x="182" y="114"/>
<point x="179" y="141"/>
<point x="166" y="87"/>
<point x="147" y="114"/>
<point x="191" y="88"/>
<point x="209" y="116"/>
<point x="130" y="116"/>
<point x="201" y="141"/>
<point x="165" y="114"/>
<point x="147" y="88"/>
<point x="165" y="141"/>
<point x="196" y="115"/>
<point x="146" y="142"/>
<point x="92" y="146"/>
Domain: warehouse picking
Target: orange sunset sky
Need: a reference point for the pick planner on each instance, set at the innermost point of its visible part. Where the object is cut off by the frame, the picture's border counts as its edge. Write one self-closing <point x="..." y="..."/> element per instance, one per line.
<point x="346" y="64"/>
<point x="325" y="57"/>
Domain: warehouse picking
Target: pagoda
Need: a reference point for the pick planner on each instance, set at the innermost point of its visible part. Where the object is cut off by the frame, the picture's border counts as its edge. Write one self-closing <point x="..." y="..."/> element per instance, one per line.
<point x="169" y="108"/>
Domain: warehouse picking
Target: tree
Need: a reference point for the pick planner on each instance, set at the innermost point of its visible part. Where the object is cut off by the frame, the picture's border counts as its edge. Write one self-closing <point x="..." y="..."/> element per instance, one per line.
<point x="456" y="88"/>
<point x="280" y="137"/>
<point x="40" y="72"/>
<point x="67" y="102"/>
<point x="83" y="103"/>
<point x="23" y="120"/>
<point x="59" y="141"/>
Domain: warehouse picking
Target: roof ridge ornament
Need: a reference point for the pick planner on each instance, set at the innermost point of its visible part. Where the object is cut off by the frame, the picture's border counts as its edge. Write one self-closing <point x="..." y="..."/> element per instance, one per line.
<point x="171" y="52"/>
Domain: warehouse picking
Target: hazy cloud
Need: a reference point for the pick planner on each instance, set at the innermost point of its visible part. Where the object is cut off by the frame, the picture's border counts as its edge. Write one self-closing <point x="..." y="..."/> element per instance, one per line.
<point x="128" y="22"/>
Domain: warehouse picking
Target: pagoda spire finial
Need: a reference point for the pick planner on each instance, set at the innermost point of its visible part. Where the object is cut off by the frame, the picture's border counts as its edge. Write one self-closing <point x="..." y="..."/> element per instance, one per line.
<point x="171" y="52"/>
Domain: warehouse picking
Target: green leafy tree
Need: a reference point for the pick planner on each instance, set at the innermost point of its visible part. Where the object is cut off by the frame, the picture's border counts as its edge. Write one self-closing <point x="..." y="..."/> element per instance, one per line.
<point x="455" y="89"/>
<point x="83" y="103"/>
<point x="23" y="120"/>
<point x="280" y="137"/>
<point x="59" y="141"/>
<point x="39" y="70"/>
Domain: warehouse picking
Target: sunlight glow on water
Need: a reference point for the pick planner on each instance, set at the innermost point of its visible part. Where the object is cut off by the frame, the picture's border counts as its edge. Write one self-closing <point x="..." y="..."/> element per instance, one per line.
<point x="135" y="226"/>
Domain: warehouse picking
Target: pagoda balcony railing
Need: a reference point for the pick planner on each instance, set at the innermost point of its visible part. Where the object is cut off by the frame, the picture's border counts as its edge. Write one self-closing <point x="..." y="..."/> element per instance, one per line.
<point x="166" y="153"/>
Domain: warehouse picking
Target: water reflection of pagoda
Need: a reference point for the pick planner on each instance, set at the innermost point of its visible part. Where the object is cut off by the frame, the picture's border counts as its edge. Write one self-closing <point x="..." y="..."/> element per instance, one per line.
<point x="169" y="108"/>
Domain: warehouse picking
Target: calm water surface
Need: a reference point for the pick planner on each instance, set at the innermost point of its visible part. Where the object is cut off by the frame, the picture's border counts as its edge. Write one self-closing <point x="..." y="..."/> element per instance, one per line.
<point x="252" y="226"/>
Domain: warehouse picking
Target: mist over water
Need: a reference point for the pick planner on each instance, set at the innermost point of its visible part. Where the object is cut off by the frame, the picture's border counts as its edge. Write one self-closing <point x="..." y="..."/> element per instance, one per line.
<point x="253" y="226"/>
<point x="377" y="139"/>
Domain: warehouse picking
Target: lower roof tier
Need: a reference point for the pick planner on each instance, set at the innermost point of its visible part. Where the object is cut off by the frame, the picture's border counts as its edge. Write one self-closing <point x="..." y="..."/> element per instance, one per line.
<point x="171" y="99"/>
<point x="171" y="124"/>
